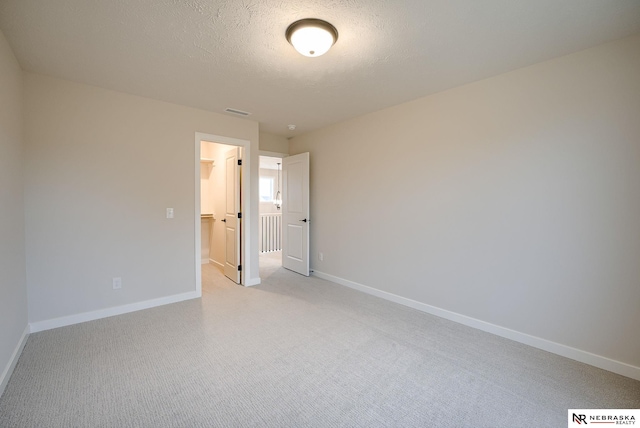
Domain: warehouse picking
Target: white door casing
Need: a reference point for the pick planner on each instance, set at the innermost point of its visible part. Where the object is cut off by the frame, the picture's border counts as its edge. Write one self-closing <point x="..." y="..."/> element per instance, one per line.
<point x="231" y="220"/>
<point x="295" y="213"/>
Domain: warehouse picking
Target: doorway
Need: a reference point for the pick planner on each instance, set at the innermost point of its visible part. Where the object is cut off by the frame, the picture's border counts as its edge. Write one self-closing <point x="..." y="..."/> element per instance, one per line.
<point x="284" y="213"/>
<point x="221" y="206"/>
<point x="270" y="212"/>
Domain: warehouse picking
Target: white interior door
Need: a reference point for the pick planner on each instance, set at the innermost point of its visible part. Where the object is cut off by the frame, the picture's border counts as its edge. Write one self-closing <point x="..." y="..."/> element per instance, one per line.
<point x="232" y="217"/>
<point x="295" y="213"/>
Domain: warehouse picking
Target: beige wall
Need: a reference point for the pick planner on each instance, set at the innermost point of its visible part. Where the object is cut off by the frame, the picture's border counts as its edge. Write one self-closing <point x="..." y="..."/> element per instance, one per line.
<point x="102" y="167"/>
<point x="274" y="143"/>
<point x="513" y="200"/>
<point x="207" y="173"/>
<point x="13" y="285"/>
<point x="207" y="170"/>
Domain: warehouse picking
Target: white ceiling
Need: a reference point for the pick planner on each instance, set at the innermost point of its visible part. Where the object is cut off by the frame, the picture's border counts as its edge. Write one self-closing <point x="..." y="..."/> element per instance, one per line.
<point x="214" y="54"/>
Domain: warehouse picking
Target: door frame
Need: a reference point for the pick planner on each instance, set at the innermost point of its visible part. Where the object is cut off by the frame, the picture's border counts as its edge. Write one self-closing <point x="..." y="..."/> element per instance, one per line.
<point x="245" y="203"/>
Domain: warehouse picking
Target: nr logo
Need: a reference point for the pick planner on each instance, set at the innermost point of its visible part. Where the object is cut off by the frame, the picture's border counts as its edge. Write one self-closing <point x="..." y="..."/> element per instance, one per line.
<point x="580" y="419"/>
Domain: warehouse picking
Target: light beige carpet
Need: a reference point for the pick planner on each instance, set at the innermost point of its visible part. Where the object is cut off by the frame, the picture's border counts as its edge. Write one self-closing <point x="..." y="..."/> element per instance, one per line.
<point x="294" y="352"/>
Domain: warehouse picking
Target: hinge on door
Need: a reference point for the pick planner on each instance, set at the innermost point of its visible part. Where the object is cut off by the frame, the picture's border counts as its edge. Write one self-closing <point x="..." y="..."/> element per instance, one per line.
<point x="239" y="215"/>
<point x="239" y="268"/>
<point x="239" y="162"/>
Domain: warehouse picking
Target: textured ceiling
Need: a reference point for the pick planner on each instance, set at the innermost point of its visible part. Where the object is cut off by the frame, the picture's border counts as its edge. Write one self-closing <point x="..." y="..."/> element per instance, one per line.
<point x="218" y="54"/>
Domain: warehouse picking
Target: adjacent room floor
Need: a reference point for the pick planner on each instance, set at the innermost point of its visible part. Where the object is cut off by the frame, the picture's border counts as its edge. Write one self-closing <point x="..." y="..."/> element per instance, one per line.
<point x="294" y="352"/>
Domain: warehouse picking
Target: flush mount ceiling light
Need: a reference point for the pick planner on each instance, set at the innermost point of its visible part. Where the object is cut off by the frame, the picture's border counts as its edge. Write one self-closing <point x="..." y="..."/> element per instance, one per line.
<point x="312" y="37"/>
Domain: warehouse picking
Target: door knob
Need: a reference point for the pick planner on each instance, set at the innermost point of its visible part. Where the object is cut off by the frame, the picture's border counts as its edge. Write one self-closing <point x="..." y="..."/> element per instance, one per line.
<point x="304" y="220"/>
<point x="224" y="220"/>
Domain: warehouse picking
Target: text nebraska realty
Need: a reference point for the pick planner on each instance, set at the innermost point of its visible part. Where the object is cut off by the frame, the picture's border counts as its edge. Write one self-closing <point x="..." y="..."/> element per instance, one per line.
<point x="611" y="419"/>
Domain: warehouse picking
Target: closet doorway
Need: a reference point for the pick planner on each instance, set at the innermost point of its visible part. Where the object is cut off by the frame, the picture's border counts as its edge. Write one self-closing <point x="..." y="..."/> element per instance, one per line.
<point x="222" y="192"/>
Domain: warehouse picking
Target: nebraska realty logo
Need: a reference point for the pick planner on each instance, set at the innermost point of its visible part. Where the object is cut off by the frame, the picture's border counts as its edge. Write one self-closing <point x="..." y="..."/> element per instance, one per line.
<point x="600" y="417"/>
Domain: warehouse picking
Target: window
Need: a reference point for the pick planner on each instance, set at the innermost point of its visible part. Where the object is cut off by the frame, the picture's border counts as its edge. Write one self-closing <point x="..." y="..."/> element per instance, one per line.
<point x="266" y="189"/>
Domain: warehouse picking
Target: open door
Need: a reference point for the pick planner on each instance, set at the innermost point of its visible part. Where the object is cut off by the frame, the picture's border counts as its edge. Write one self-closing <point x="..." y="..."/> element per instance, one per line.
<point x="295" y="213"/>
<point x="232" y="216"/>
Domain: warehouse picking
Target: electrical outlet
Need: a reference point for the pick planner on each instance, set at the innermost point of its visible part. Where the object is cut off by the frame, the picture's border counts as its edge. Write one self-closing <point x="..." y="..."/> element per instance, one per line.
<point x="169" y="212"/>
<point x="321" y="256"/>
<point x="117" y="283"/>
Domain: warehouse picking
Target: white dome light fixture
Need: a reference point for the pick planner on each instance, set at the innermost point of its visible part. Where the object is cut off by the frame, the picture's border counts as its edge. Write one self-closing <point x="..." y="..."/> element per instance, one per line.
<point x="311" y="37"/>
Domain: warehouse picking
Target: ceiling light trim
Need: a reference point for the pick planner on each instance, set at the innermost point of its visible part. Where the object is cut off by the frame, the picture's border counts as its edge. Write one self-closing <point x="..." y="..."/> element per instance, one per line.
<point x="311" y="24"/>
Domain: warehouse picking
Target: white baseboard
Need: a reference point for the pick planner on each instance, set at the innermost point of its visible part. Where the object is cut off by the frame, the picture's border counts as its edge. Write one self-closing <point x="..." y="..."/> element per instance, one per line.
<point x="109" y="312"/>
<point x="599" y="361"/>
<point x="204" y="261"/>
<point x="8" y="370"/>
<point x="216" y="263"/>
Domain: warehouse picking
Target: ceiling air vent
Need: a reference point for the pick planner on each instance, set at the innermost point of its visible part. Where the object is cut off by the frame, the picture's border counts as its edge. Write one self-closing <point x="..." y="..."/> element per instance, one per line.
<point x="238" y="112"/>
